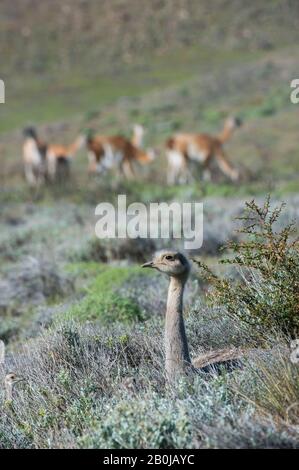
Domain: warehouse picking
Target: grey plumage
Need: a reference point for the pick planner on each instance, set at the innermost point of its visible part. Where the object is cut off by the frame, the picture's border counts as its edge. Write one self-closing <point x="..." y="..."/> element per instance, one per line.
<point x="177" y="357"/>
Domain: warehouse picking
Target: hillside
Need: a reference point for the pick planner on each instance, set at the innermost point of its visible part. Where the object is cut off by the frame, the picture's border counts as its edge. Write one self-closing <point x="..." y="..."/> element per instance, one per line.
<point x="65" y="58"/>
<point x="82" y="323"/>
<point x="53" y="35"/>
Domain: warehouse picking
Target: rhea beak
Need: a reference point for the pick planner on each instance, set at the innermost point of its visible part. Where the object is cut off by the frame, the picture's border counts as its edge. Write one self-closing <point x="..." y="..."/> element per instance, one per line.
<point x="150" y="264"/>
<point x="20" y="379"/>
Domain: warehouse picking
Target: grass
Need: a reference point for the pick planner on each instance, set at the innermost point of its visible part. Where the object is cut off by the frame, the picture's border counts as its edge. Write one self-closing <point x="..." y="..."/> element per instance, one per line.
<point x="265" y="149"/>
<point x="69" y="94"/>
<point x="96" y="376"/>
<point x="104" y="388"/>
<point x="92" y="356"/>
<point x="268" y="162"/>
<point x="276" y="388"/>
<point x="102" y="301"/>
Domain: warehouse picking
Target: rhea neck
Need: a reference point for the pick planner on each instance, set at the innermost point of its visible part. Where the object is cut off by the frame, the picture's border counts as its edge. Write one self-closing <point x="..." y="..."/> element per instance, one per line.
<point x="176" y="344"/>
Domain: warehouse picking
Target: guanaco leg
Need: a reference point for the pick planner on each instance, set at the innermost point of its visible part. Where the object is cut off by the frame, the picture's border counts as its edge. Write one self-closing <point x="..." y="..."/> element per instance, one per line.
<point x="224" y="165"/>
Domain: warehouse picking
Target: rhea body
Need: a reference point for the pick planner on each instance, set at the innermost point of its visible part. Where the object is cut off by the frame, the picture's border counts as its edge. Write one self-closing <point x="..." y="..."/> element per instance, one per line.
<point x="177" y="357"/>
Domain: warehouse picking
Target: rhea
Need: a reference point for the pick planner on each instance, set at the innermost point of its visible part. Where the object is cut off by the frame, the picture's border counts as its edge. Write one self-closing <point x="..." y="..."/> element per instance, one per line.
<point x="177" y="356"/>
<point x="11" y="378"/>
<point x="9" y="382"/>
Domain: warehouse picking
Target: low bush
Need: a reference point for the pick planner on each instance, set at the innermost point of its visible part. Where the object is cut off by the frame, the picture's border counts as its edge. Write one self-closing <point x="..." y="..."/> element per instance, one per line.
<point x="102" y="300"/>
<point x="267" y="296"/>
<point x="88" y="386"/>
<point x="149" y="422"/>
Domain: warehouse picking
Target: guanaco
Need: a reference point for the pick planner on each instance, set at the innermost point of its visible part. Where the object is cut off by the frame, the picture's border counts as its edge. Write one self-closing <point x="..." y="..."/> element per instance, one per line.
<point x="181" y="149"/>
<point x="116" y="152"/>
<point x="62" y="155"/>
<point x="34" y="157"/>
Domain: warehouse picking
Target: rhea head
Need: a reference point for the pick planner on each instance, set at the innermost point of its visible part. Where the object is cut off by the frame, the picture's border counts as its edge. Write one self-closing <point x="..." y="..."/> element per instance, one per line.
<point x="12" y="378"/>
<point x="172" y="263"/>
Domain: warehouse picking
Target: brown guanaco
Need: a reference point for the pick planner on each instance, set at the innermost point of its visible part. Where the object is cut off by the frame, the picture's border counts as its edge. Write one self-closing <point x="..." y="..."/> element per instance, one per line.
<point x="183" y="148"/>
<point x="62" y="154"/>
<point x="118" y="152"/>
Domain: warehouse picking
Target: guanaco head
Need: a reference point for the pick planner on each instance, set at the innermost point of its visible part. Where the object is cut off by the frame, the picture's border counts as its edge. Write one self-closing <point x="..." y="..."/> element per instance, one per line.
<point x="138" y="134"/>
<point x="30" y="133"/>
<point x="232" y="123"/>
<point x="80" y="141"/>
<point x="89" y="135"/>
<point x="172" y="263"/>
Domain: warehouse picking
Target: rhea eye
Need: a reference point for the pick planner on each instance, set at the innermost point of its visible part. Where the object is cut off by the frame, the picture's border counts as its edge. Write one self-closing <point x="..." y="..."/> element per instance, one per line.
<point x="169" y="257"/>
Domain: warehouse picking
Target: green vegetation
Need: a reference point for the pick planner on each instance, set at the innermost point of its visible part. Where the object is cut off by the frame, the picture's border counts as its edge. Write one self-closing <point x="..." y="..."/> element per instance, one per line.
<point x="162" y="425"/>
<point x="98" y="388"/>
<point x="83" y="324"/>
<point x="267" y="297"/>
<point x="102" y="301"/>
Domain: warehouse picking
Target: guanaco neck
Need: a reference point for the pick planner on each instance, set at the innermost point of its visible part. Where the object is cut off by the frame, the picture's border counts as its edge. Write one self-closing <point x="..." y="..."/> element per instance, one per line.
<point x="34" y="148"/>
<point x="137" y="139"/>
<point x="74" y="147"/>
<point x="226" y="133"/>
<point x="176" y="344"/>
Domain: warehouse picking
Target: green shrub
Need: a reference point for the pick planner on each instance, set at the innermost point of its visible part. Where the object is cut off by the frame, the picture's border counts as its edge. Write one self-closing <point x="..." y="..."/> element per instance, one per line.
<point x="9" y="328"/>
<point x="108" y="308"/>
<point x="103" y="301"/>
<point x="151" y="423"/>
<point x="89" y="386"/>
<point x="267" y="296"/>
